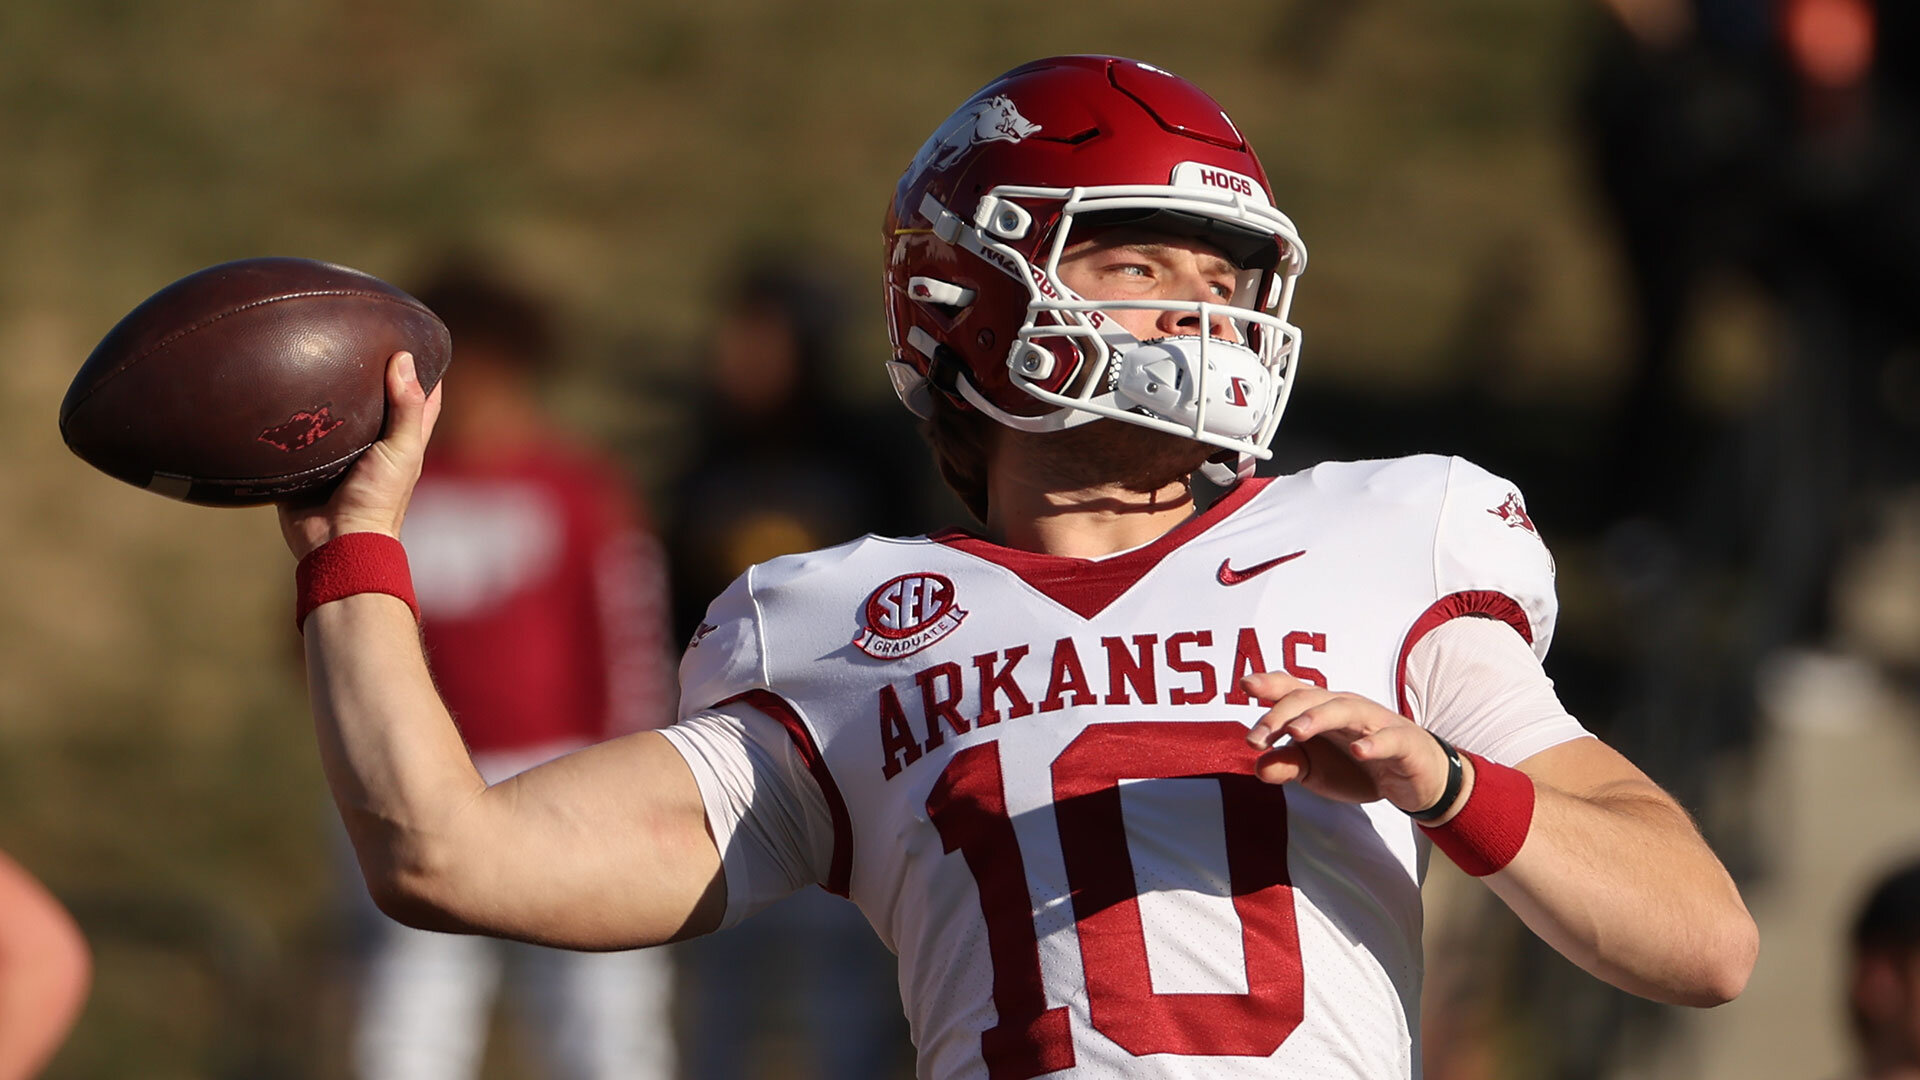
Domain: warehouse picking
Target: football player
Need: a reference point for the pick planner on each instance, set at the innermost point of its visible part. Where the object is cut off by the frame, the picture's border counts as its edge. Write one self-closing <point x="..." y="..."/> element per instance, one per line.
<point x="1132" y="789"/>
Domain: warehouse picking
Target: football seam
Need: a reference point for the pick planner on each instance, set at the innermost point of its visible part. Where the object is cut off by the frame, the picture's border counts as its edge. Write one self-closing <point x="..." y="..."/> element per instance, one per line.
<point x="235" y="481"/>
<point x="248" y="306"/>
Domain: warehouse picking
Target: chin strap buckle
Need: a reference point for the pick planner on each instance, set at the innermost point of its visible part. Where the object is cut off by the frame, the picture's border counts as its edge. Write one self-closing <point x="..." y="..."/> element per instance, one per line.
<point x="1225" y="469"/>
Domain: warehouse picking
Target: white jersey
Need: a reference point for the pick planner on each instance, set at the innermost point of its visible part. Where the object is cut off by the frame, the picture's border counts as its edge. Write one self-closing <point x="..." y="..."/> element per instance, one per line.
<point x="1030" y="772"/>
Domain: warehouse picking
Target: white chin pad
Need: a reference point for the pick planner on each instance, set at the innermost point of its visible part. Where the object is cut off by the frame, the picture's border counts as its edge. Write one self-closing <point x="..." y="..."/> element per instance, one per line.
<point x="1163" y="377"/>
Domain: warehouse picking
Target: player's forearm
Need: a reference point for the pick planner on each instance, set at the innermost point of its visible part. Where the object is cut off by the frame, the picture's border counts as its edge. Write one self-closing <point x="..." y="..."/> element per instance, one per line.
<point x="605" y="848"/>
<point x="398" y="770"/>
<point x="1621" y="883"/>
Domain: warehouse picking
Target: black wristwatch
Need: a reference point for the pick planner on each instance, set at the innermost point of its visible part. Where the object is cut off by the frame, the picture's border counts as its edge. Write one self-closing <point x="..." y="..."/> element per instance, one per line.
<point x="1456" y="772"/>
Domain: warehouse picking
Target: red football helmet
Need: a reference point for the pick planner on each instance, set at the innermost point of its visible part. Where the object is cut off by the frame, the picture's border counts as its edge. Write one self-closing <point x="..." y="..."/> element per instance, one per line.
<point x="975" y="305"/>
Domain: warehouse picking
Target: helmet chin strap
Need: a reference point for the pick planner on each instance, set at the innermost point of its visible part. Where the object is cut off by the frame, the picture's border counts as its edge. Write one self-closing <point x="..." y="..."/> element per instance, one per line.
<point x="1225" y="475"/>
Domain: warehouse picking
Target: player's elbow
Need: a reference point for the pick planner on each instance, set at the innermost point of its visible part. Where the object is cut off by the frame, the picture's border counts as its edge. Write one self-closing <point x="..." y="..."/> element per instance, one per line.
<point x="408" y="900"/>
<point x="415" y="885"/>
<point x="1727" y="964"/>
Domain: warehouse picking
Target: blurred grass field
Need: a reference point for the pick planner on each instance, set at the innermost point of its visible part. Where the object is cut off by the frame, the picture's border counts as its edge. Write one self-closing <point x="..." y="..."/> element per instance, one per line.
<point x="156" y="767"/>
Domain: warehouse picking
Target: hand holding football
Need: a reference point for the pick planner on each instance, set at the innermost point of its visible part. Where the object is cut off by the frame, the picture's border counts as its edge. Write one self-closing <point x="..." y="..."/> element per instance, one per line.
<point x="248" y="382"/>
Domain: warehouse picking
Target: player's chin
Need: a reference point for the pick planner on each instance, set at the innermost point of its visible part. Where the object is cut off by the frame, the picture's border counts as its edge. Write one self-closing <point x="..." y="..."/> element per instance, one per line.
<point x="1138" y="458"/>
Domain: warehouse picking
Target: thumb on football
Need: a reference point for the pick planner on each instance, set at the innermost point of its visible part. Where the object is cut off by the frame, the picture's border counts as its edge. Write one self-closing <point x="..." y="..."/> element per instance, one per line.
<point x="411" y="411"/>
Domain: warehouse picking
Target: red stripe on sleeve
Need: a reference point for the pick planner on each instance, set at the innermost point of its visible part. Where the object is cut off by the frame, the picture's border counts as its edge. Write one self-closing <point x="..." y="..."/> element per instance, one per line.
<point x="1482" y="603"/>
<point x="840" y="872"/>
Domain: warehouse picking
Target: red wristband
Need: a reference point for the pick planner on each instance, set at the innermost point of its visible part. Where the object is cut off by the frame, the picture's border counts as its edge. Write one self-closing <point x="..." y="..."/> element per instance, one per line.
<point x="1488" y="831"/>
<point x="359" y="562"/>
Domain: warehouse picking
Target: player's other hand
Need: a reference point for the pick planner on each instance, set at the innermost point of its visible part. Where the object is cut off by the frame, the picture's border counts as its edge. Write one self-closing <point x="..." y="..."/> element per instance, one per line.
<point x="1343" y="746"/>
<point x="374" y="495"/>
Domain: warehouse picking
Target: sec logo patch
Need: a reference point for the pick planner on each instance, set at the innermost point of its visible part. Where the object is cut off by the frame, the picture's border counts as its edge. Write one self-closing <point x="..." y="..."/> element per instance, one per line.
<point x="907" y="614"/>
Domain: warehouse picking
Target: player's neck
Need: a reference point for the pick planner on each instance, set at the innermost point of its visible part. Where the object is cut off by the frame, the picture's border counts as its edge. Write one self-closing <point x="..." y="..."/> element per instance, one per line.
<point x="1088" y="524"/>
<point x="1082" y="523"/>
<point x="1088" y="491"/>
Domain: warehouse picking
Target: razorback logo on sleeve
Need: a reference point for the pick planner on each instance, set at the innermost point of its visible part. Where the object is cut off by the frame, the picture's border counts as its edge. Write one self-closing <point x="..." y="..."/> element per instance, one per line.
<point x="907" y="614"/>
<point x="1514" y="513"/>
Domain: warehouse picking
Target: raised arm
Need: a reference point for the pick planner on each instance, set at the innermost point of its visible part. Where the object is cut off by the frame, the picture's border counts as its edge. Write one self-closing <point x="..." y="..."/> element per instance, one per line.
<point x="605" y="848"/>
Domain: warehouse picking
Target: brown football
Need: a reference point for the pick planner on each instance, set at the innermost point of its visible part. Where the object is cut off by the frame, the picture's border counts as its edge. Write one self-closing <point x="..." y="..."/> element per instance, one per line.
<point x="249" y="381"/>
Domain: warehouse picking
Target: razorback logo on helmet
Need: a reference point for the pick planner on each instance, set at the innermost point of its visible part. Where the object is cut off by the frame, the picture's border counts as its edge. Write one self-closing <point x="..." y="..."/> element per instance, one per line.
<point x="907" y="614"/>
<point x="995" y="119"/>
<point x="1514" y="513"/>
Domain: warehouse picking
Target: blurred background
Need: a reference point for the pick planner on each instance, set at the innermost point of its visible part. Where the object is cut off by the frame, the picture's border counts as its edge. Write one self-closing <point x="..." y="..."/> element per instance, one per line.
<point x="1653" y="259"/>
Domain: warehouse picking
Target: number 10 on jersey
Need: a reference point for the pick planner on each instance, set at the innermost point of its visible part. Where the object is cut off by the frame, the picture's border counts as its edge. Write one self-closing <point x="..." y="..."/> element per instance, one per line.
<point x="968" y="806"/>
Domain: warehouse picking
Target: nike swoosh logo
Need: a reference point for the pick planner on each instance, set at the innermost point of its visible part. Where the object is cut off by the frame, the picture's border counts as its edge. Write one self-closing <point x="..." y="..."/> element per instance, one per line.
<point x="1230" y="576"/>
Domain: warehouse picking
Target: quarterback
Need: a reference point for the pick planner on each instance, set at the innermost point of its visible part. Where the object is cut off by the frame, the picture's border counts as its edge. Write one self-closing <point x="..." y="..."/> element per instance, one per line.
<point x="1132" y="788"/>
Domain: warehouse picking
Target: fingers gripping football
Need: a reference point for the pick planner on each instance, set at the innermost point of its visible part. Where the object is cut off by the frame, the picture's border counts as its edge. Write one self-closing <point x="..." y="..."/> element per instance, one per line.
<point x="1343" y="746"/>
<point x="374" y="495"/>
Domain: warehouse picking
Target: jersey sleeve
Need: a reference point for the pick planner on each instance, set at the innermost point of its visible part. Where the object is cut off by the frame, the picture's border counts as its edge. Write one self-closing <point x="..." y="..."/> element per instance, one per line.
<point x="1470" y="668"/>
<point x="1475" y="684"/>
<point x="726" y="655"/>
<point x="1489" y="560"/>
<point x="759" y="774"/>
<point x="768" y="817"/>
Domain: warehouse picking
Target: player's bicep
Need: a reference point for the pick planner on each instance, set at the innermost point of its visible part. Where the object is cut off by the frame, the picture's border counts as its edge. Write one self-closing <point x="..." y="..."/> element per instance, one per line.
<point x="605" y="848"/>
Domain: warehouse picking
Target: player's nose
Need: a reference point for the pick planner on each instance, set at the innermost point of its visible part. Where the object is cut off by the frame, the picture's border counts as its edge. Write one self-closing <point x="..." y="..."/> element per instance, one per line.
<point x="1194" y="286"/>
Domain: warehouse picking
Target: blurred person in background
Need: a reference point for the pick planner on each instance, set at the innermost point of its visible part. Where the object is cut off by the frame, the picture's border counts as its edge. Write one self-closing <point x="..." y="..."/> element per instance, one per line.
<point x="1757" y="160"/>
<point x="544" y="611"/>
<point x="781" y="461"/>
<point x="1772" y="146"/>
<point x="1883" y="987"/>
<point x="45" y="968"/>
<point x="783" y="464"/>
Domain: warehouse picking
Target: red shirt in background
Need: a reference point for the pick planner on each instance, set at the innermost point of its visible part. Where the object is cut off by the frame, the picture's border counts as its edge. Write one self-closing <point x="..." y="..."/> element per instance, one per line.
<point x="543" y="599"/>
